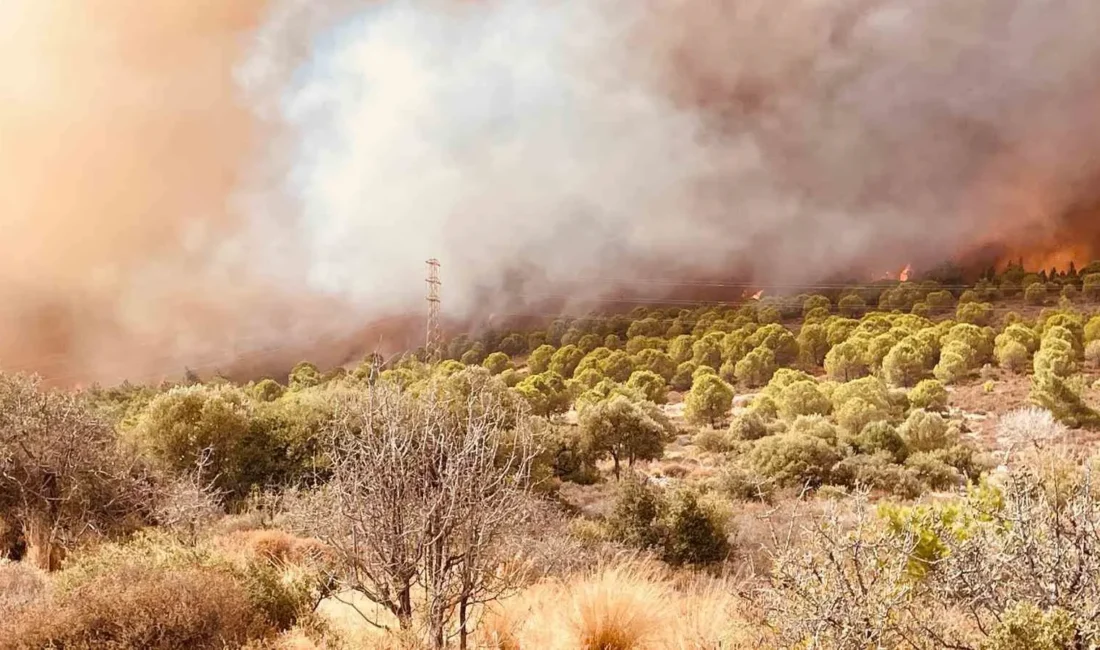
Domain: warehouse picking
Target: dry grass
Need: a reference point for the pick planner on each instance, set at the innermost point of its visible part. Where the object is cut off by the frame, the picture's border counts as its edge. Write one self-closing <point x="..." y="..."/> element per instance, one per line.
<point x="633" y="606"/>
<point x="273" y="545"/>
<point x="190" y="608"/>
<point x="20" y="585"/>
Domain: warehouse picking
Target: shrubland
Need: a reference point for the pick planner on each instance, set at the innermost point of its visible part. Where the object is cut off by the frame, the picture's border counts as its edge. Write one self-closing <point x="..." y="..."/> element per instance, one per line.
<point x="885" y="465"/>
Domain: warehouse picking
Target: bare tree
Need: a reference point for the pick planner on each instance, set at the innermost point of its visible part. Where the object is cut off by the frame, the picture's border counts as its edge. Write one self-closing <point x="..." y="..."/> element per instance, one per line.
<point x="186" y="504"/>
<point x="62" y="474"/>
<point x="842" y="581"/>
<point x="1038" y="543"/>
<point x="425" y="490"/>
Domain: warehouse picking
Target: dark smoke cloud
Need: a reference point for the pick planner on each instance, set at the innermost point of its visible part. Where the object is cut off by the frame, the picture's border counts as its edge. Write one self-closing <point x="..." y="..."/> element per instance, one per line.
<point x="184" y="183"/>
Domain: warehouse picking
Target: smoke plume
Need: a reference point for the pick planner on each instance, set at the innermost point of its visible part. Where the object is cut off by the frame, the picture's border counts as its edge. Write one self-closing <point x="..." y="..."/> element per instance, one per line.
<point x="185" y="183"/>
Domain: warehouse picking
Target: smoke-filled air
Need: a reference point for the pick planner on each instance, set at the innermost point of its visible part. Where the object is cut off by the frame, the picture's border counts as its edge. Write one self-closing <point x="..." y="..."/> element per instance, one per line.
<point x="207" y="185"/>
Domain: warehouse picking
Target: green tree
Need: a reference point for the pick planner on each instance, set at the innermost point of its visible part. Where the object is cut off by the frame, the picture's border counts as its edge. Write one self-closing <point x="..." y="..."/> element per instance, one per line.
<point x="184" y="425"/>
<point x="779" y="340"/>
<point x="564" y="362"/>
<point x="623" y="430"/>
<point x="816" y="302"/>
<point x="929" y="395"/>
<point x="539" y="361"/>
<point x="497" y="363"/>
<point x="847" y="360"/>
<point x="709" y="401"/>
<point x="649" y="384"/>
<point x="852" y="305"/>
<point x="803" y="398"/>
<point x="1063" y="399"/>
<point x="757" y="368"/>
<point x="617" y="366"/>
<point x="1091" y="287"/>
<point x="907" y="362"/>
<point x="975" y="313"/>
<point x="304" y="375"/>
<point x="268" y="390"/>
<point x="681" y="348"/>
<point x="657" y="362"/>
<point x="813" y="344"/>
<point x="793" y="459"/>
<point x="684" y="377"/>
<point x="925" y="431"/>
<point x="1036" y="294"/>
<point x="954" y="362"/>
<point x="545" y="393"/>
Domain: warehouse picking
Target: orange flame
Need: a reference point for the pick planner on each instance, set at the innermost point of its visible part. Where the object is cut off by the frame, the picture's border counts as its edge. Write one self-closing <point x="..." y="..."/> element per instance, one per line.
<point x="904" y="275"/>
<point x="756" y="296"/>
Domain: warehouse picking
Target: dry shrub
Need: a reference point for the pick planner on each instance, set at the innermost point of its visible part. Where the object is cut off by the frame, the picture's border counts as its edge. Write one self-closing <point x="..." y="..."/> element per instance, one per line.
<point x="20" y="585"/>
<point x="628" y="606"/>
<point x="275" y="546"/>
<point x="141" y="608"/>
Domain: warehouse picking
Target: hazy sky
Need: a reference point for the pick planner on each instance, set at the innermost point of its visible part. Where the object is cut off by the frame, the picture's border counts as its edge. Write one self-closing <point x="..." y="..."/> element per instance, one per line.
<point x="182" y="182"/>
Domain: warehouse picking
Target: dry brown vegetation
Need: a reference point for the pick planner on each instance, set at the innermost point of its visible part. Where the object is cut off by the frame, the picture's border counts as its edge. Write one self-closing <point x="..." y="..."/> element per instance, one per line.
<point x="768" y="475"/>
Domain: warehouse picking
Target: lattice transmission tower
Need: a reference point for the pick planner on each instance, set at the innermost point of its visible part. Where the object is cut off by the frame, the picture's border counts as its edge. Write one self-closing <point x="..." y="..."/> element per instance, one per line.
<point x="434" y="342"/>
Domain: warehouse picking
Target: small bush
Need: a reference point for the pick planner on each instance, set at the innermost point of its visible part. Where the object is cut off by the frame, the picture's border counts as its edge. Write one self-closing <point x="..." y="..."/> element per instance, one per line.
<point x="794" y="459"/>
<point x="1013" y="356"/>
<point x="142" y="608"/>
<point x="935" y="473"/>
<point x="748" y="426"/>
<point x="714" y="441"/>
<point x="1024" y="626"/>
<point x="694" y="535"/>
<point x="929" y="395"/>
<point x="878" y="437"/>
<point x="857" y="413"/>
<point x="925" y="431"/>
<point x="816" y="426"/>
<point x="1092" y="354"/>
<point x="20" y="584"/>
<point x="634" y="520"/>
<point x="1036" y="294"/>
<point x="497" y="363"/>
<point x="879" y="472"/>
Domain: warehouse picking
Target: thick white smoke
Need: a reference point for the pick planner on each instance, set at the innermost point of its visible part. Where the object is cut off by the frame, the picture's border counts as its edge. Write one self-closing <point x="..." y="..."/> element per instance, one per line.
<point x="570" y="139"/>
<point x="184" y="183"/>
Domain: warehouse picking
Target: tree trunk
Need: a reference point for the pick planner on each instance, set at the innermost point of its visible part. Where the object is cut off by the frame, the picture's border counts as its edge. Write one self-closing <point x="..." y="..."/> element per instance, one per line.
<point x="42" y="550"/>
<point x="615" y="458"/>
<point x="404" y="607"/>
<point x="462" y="615"/>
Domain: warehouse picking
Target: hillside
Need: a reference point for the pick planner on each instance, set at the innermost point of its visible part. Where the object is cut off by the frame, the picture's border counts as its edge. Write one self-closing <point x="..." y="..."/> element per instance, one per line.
<point x="861" y="466"/>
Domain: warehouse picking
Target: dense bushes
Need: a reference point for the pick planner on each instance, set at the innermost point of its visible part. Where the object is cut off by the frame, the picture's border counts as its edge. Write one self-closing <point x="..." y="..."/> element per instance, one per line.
<point x="154" y="593"/>
<point x="676" y="526"/>
<point x="794" y="459"/>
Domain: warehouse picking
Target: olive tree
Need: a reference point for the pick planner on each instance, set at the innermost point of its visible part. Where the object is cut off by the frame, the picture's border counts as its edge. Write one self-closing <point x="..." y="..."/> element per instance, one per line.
<point x="624" y="430"/>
